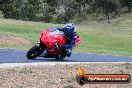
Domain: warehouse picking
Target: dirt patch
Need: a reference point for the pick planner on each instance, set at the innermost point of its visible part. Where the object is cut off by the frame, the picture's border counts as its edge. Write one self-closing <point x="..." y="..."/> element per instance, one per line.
<point x="9" y="40"/>
<point x="59" y="76"/>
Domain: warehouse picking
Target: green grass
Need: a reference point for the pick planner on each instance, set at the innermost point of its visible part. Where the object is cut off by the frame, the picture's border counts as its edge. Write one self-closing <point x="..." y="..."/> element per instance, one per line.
<point x="113" y="38"/>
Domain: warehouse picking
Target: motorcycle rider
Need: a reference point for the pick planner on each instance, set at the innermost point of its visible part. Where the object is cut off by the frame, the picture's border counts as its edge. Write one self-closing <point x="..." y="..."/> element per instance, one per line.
<point x="70" y="33"/>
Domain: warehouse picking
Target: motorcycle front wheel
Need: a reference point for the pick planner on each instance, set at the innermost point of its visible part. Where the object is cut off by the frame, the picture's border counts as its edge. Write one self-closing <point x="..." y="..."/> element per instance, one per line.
<point x="35" y="51"/>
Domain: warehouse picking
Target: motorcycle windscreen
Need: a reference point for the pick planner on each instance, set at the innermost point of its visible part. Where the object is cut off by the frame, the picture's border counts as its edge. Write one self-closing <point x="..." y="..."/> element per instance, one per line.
<point x="53" y="36"/>
<point x="57" y="36"/>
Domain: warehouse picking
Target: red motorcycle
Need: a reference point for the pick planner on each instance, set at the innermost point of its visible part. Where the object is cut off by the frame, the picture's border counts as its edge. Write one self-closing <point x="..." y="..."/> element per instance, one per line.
<point x="50" y="40"/>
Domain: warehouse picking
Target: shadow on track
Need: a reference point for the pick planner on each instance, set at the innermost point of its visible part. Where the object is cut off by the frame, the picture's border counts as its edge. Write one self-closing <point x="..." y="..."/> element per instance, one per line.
<point x="52" y="60"/>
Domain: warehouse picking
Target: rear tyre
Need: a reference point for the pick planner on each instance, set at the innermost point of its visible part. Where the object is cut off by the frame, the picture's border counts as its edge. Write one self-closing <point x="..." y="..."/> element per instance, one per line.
<point x="60" y="57"/>
<point x="34" y="52"/>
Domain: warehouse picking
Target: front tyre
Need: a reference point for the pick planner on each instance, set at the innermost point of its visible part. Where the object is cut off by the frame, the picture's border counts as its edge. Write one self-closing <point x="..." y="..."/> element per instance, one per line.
<point x="34" y="52"/>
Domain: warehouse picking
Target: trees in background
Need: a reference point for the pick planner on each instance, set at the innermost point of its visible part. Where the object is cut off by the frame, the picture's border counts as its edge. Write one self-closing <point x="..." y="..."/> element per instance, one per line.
<point x="127" y="3"/>
<point x="109" y="7"/>
<point x="61" y="11"/>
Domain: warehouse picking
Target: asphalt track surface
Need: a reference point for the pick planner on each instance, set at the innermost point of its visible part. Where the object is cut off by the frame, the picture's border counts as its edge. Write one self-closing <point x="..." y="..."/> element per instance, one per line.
<point x="19" y="56"/>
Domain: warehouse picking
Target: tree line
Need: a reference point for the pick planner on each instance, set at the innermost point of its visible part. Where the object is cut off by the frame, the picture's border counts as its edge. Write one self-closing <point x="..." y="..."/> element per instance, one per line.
<point x="61" y="11"/>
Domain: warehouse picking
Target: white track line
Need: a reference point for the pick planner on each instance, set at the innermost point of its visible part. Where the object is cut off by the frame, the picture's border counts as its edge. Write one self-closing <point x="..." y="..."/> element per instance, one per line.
<point x="11" y="65"/>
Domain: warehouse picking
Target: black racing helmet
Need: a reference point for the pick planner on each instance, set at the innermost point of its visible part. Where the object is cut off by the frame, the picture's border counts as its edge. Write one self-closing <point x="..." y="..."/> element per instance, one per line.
<point x="69" y="28"/>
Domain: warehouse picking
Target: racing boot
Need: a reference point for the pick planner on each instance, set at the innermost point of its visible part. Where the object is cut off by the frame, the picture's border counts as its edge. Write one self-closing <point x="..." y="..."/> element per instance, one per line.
<point x="69" y="51"/>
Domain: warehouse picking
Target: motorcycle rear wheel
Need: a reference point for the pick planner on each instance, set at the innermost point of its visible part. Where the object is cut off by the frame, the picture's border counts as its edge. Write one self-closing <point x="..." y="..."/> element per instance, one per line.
<point x="61" y="56"/>
<point x="34" y="52"/>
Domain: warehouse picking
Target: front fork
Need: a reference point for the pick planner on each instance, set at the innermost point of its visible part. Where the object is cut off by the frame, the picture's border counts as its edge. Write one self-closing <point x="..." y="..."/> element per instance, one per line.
<point x="37" y="44"/>
<point x="41" y="47"/>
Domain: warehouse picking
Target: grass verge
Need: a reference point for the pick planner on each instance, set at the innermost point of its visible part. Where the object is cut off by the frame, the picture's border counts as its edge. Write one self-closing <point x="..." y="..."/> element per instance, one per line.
<point x="113" y="38"/>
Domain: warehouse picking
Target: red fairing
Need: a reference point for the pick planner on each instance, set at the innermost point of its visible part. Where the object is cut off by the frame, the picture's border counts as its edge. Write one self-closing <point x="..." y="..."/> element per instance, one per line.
<point x="50" y="37"/>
